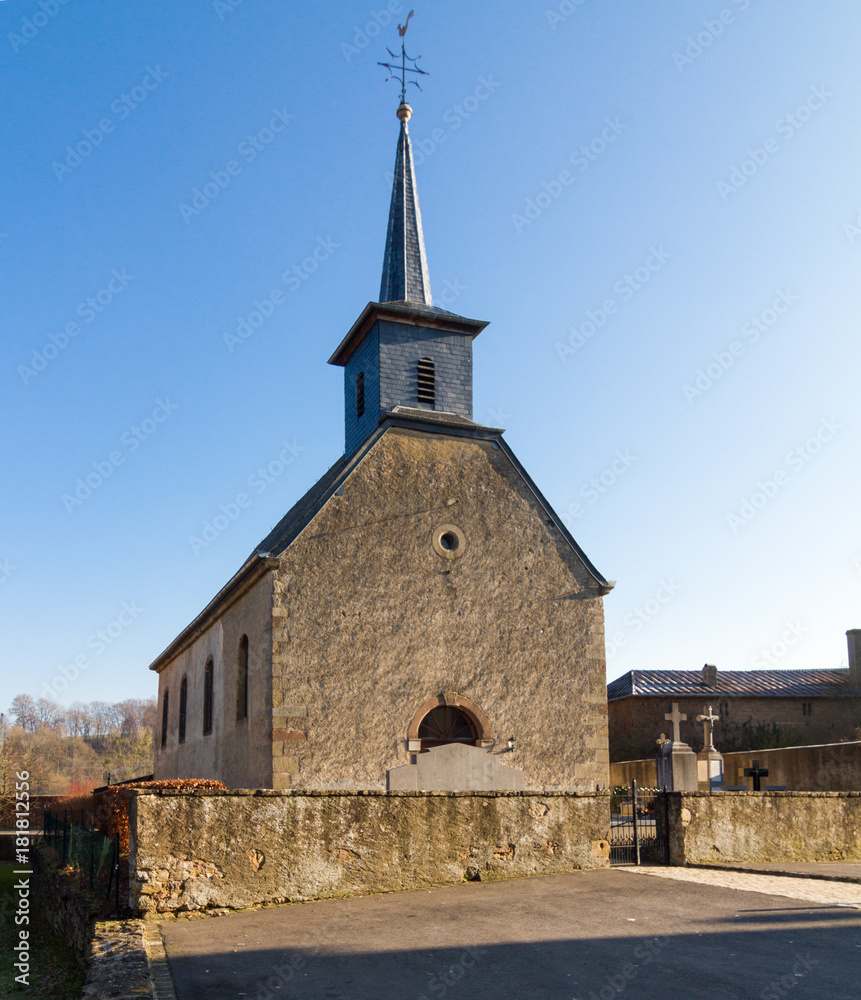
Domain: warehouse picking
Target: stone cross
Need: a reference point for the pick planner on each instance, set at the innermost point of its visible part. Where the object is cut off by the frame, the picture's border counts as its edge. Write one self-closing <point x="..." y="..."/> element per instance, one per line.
<point x="756" y="772"/>
<point x="676" y="717"/>
<point x="708" y="719"/>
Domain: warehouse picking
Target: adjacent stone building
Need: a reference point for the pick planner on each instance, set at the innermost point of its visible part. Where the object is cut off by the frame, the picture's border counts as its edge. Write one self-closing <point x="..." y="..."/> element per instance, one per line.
<point x="755" y="707"/>
<point x="423" y="592"/>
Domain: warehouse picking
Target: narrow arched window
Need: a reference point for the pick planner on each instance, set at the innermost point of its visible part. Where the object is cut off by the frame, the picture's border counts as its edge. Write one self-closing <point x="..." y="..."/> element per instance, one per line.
<point x="242" y="680"/>
<point x="183" y="708"/>
<point x="207" y="697"/>
<point x="426" y="374"/>
<point x="360" y="395"/>
<point x="164" y="717"/>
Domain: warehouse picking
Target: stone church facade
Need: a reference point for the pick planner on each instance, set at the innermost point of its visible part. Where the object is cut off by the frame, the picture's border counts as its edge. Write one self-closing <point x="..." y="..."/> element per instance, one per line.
<point x="422" y="592"/>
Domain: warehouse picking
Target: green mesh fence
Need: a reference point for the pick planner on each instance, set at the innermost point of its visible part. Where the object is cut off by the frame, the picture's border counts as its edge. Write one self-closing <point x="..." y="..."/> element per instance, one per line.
<point x="89" y="852"/>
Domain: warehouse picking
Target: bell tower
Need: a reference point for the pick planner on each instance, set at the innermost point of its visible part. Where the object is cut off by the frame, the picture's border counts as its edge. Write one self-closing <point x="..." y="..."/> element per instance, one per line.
<point x="402" y="352"/>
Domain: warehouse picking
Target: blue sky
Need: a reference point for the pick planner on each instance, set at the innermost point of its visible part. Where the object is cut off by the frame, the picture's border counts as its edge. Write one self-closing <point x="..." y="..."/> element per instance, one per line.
<point x="657" y="206"/>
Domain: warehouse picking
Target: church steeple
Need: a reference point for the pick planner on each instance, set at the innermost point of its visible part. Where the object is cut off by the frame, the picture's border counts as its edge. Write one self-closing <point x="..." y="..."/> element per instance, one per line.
<point x="404" y="358"/>
<point x="405" y="267"/>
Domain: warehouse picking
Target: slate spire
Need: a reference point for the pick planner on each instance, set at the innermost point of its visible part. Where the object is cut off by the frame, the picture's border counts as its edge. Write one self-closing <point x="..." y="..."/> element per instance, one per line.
<point x="405" y="266"/>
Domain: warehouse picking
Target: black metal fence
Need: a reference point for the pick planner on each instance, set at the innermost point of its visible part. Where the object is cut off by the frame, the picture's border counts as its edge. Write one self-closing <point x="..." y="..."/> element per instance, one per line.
<point x="639" y="826"/>
<point x="89" y="852"/>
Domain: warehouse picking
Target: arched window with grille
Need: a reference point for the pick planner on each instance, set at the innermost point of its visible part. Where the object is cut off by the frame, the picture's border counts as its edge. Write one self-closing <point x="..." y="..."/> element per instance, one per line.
<point x="426" y="377"/>
<point x="242" y="680"/>
<point x="183" y="708"/>
<point x="446" y="724"/>
<point x="207" y="697"/>
<point x="164" y="717"/>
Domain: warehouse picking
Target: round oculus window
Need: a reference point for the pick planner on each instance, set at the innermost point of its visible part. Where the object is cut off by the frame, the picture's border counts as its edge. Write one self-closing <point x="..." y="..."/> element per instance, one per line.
<point x="448" y="541"/>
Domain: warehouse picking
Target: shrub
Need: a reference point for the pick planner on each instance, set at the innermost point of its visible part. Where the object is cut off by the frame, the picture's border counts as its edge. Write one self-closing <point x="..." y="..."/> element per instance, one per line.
<point x="111" y="809"/>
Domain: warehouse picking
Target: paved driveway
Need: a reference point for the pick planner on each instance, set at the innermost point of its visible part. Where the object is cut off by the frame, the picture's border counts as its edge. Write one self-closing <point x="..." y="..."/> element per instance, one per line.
<point x="582" y="936"/>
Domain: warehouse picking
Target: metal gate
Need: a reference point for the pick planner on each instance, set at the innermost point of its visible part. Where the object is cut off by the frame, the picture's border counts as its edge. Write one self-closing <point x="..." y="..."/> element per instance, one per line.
<point x="639" y="826"/>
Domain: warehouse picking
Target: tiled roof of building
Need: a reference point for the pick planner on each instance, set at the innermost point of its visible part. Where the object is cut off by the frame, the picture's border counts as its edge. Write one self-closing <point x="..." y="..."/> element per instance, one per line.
<point x="405" y="267"/>
<point x="731" y="684"/>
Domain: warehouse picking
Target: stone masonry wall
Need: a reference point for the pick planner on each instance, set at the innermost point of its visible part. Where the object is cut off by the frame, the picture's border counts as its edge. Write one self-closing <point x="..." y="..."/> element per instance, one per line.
<point x="61" y="898"/>
<point x="204" y="850"/>
<point x="765" y="826"/>
<point x="237" y="751"/>
<point x="636" y="722"/>
<point x="369" y="622"/>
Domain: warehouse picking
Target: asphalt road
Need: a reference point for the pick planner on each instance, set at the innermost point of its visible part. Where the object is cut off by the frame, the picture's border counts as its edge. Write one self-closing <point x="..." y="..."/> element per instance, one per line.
<point x="580" y="936"/>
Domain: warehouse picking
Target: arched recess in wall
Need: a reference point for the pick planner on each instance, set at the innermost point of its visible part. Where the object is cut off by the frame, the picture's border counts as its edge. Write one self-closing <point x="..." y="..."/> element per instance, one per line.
<point x="448" y="718"/>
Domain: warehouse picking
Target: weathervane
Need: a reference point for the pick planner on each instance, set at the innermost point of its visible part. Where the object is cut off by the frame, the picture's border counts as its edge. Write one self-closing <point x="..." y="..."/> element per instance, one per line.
<point x="400" y="72"/>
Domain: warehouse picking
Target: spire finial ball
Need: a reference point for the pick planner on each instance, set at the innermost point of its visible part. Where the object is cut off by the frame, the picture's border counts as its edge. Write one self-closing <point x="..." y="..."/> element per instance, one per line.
<point x="404" y="111"/>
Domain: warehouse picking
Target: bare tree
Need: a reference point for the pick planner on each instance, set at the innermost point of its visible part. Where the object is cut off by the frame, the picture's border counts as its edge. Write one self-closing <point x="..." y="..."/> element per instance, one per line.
<point x="106" y="719"/>
<point x="49" y="715"/>
<point x="15" y="755"/>
<point x="149" y="714"/>
<point x="136" y="715"/>
<point x="78" y="745"/>
<point x="79" y="719"/>
<point x="23" y="708"/>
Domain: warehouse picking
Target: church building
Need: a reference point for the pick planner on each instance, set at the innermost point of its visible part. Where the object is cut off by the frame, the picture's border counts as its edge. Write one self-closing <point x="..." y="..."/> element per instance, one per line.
<point x="423" y="592"/>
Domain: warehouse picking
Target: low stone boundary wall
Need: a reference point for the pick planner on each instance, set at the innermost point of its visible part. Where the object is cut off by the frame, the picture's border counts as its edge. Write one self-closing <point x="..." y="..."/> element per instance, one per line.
<point x="764" y="826"/>
<point x="59" y="897"/>
<point x="228" y="850"/>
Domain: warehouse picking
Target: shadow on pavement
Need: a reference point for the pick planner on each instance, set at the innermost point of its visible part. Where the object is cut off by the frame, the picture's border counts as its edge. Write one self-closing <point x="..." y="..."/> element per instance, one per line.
<point x="563" y="937"/>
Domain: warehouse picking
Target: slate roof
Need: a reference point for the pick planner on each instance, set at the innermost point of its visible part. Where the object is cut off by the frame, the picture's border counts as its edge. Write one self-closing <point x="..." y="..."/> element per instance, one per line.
<point x="265" y="555"/>
<point x="403" y="312"/>
<point x="440" y="417"/>
<point x="405" y="266"/>
<point x="301" y="512"/>
<point x="731" y="684"/>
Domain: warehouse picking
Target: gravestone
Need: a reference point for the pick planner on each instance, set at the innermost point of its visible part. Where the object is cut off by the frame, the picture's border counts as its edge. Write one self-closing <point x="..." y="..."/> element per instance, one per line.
<point x="709" y="760"/>
<point x="455" y="767"/>
<point x="676" y="762"/>
<point x="757" y="773"/>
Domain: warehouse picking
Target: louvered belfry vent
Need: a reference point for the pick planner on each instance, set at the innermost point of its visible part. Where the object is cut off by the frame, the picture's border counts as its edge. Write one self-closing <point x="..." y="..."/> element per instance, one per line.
<point x="426" y="381"/>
